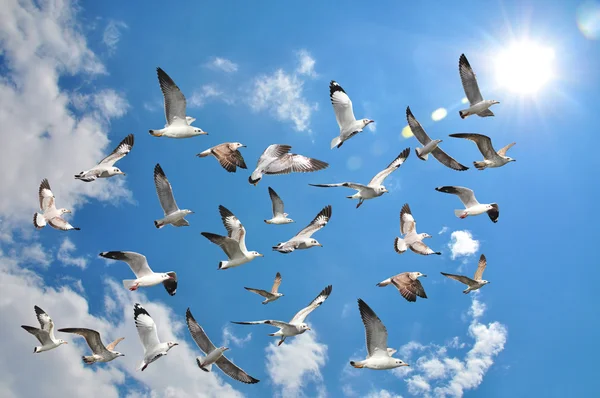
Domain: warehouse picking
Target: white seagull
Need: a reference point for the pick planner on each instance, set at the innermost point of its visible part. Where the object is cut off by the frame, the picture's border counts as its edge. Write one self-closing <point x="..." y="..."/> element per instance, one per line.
<point x="375" y="188"/>
<point x="173" y="215"/>
<point x="279" y="216"/>
<point x="276" y="160"/>
<point x="430" y="146"/>
<point x="472" y="206"/>
<point x="269" y="296"/>
<point x="50" y="214"/>
<point x="105" y="168"/>
<point x="45" y="335"/>
<point x="342" y="106"/>
<point x="478" y="106"/>
<point x="379" y="355"/>
<point x="145" y="277"/>
<point x="476" y="282"/>
<point x="412" y="240"/>
<point x="153" y="348"/>
<point x="213" y="354"/>
<point x="303" y="240"/>
<point x="234" y="244"/>
<point x="296" y="326"/>
<point x="100" y="352"/>
<point x="484" y="144"/>
<point x="178" y="124"/>
<point x="408" y="285"/>
<point x="227" y="154"/>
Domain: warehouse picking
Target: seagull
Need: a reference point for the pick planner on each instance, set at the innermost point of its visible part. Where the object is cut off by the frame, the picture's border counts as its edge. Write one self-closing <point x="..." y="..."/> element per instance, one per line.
<point x="412" y="240"/>
<point x="379" y="355"/>
<point x="145" y="277"/>
<point x="276" y="160"/>
<point x="173" y="215"/>
<point x="50" y="214"/>
<point x="228" y="155"/>
<point x="478" y="106"/>
<point x="303" y="240"/>
<point x="279" y="217"/>
<point x="407" y="284"/>
<point x="45" y="335"/>
<point x="472" y="206"/>
<point x="429" y="145"/>
<point x="269" y="296"/>
<point x="153" y="348"/>
<point x="476" y="282"/>
<point x="213" y="354"/>
<point x="296" y="326"/>
<point x="101" y="353"/>
<point x="342" y="106"/>
<point x="484" y="144"/>
<point x="178" y="124"/>
<point x="375" y="188"/>
<point x="104" y="168"/>
<point x="234" y="244"/>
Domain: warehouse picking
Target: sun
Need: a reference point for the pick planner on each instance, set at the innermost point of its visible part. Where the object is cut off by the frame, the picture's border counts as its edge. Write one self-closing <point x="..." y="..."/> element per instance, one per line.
<point x="524" y="67"/>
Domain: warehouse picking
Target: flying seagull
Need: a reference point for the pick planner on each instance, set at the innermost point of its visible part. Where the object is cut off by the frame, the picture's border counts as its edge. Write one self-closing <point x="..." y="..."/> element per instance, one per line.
<point x="379" y="355"/>
<point x="105" y="168"/>
<point x="173" y="215"/>
<point x="412" y="240"/>
<point x="408" y="285"/>
<point x="45" y="334"/>
<point x="484" y="144"/>
<point x="375" y="188"/>
<point x="100" y="352"/>
<point x="303" y="240"/>
<point x="234" y="244"/>
<point x="478" y="106"/>
<point x="296" y="326"/>
<point x="213" y="354"/>
<point x="269" y="296"/>
<point x="50" y="214"/>
<point x="476" y="282"/>
<point x="144" y="275"/>
<point x="429" y="145"/>
<point x="178" y="124"/>
<point x="279" y="216"/>
<point x="146" y="328"/>
<point x="472" y="206"/>
<point x="342" y="106"/>
<point x="276" y="160"/>
<point x="228" y="155"/>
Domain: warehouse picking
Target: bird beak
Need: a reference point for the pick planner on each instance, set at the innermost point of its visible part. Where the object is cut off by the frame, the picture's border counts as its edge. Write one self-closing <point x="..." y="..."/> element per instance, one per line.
<point x="243" y="146"/>
<point x="320" y="245"/>
<point x="192" y="212"/>
<point x="261" y="255"/>
<point x="206" y="133"/>
<point x="405" y="364"/>
<point x="307" y="328"/>
<point x="65" y="342"/>
<point x="255" y="183"/>
<point x="174" y="344"/>
<point x="424" y="276"/>
<point x="68" y="211"/>
<point x="371" y="121"/>
<point x="123" y="173"/>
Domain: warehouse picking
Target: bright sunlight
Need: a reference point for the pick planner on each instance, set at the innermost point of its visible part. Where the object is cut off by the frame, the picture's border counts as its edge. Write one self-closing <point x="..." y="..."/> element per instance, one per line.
<point x="525" y="67"/>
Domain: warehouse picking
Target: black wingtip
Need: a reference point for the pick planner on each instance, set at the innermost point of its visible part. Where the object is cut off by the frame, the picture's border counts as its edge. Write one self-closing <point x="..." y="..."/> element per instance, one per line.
<point x="77" y="229"/>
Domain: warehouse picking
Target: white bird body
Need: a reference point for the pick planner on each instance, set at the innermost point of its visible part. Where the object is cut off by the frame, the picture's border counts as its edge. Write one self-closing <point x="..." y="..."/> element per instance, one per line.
<point x="423" y="153"/>
<point x="378" y="362"/>
<point x="45" y="334"/>
<point x="280" y="219"/>
<point x="105" y="168"/>
<point x="478" y="106"/>
<point x="178" y="129"/>
<point x="207" y="362"/>
<point x="472" y="211"/>
<point x="145" y="281"/>
<point x="472" y="206"/>
<point x="303" y="239"/>
<point x="344" y="115"/>
<point x="173" y="214"/>
<point x="279" y="216"/>
<point x="177" y="219"/>
<point x="147" y="332"/>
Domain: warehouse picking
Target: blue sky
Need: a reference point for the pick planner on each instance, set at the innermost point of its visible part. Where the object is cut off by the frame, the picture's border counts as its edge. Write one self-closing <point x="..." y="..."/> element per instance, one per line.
<point x="77" y="78"/>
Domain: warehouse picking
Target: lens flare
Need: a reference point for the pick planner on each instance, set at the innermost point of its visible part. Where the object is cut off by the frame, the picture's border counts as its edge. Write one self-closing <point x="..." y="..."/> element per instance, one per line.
<point x="588" y="19"/>
<point x="407" y="132"/>
<point x="439" y="114"/>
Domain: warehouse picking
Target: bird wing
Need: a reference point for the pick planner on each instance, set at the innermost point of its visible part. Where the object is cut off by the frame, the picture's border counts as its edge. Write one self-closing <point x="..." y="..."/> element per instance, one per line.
<point x="260" y="292"/>
<point x="272" y="152"/>
<point x="447" y="160"/>
<point x="46" y="323"/>
<point x="171" y="284"/>
<point x="235" y="229"/>
<point x="416" y="128"/>
<point x="320" y="299"/>
<point x="463" y="279"/>
<point x="408" y="288"/>
<point x="407" y="221"/>
<point x="119" y="152"/>
<point x="164" y="191"/>
<point x="229" y="159"/>
<point x="137" y="262"/>
<point x="502" y="152"/>
<point x="198" y="334"/>
<point x="466" y="195"/>
<point x="230" y="246"/>
<point x="46" y="196"/>
<point x="494" y="213"/>
<point x="113" y="345"/>
<point x="376" y="333"/>
<point x="39" y="334"/>
<point x="480" y="268"/>
<point x="342" y="105"/>
<point x="276" y="283"/>
<point x="485" y="113"/>
<point x="421" y="248"/>
<point x="484" y="143"/>
<point x="92" y="338"/>
<point x="352" y="185"/>
<point x="278" y="324"/>
<point x="293" y="163"/>
<point x="469" y="81"/>
<point x="61" y="223"/>
<point x="277" y="203"/>
<point x="396" y="163"/>
<point x="175" y="103"/>
<point x="236" y="373"/>
<point x="146" y="328"/>
<point x="182" y="222"/>
<point x="317" y="223"/>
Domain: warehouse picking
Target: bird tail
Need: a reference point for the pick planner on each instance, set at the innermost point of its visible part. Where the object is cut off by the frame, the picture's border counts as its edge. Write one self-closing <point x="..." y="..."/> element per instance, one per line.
<point x="128" y="283"/>
<point x="155" y="133"/>
<point x="223" y="264"/>
<point x="158" y="224"/>
<point x="463" y="114"/>
<point x="206" y="368"/>
<point x="385" y="282"/>
<point x="142" y="366"/>
<point x="204" y="154"/>
<point x="336" y="142"/>
<point x="357" y="365"/>
<point x="418" y="152"/>
<point x="39" y="221"/>
<point x="479" y="165"/>
<point x="36" y="349"/>
<point x="88" y="360"/>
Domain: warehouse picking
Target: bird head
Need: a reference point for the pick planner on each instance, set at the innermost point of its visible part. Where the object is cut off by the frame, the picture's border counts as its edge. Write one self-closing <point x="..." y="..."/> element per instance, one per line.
<point x="171" y="344"/>
<point x="256" y="254"/>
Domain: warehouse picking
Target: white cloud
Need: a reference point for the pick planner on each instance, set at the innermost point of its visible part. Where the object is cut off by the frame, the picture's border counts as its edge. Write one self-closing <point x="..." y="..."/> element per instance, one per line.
<point x="306" y="64"/>
<point x="64" y="255"/>
<point x="382" y="394"/>
<point x="206" y="93"/>
<point x="222" y="64"/>
<point x="296" y="363"/>
<point x="462" y="244"/>
<point x="417" y="385"/>
<point x="112" y="34"/>
<point x="229" y="337"/>
<point x="35" y="254"/>
<point x="443" y="230"/>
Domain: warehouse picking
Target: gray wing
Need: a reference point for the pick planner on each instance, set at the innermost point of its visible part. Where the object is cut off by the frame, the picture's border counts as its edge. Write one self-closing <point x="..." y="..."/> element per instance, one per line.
<point x="447" y="160"/>
<point x="408" y="288"/>
<point x="317" y="301"/>
<point x="137" y="262"/>
<point x="375" y="330"/>
<point x="62" y="224"/>
<point x="466" y="195"/>
<point x="277" y="203"/>
<point x="485" y="113"/>
<point x="235" y="229"/>
<point x="462" y="279"/>
<point x="234" y="372"/>
<point x="352" y="185"/>
<point x="278" y="324"/>
<point x="342" y="105"/>
<point x="396" y="163"/>
<point x="260" y="292"/>
<point x="119" y="152"/>
<point x="272" y="152"/>
<point x="171" y="284"/>
<point x="292" y="163"/>
<point x="182" y="222"/>
<point x="416" y="128"/>
<point x="164" y="191"/>
<point x="175" y="103"/>
<point x="92" y="338"/>
<point x="469" y="81"/>
<point x="421" y="248"/>
<point x="46" y="196"/>
<point x="484" y="143"/>
<point x="230" y="246"/>
<point x="198" y="334"/>
<point x="317" y="223"/>
<point x="407" y="221"/>
<point x="41" y="335"/>
<point x="276" y="283"/>
<point x="46" y="323"/>
<point x="480" y="268"/>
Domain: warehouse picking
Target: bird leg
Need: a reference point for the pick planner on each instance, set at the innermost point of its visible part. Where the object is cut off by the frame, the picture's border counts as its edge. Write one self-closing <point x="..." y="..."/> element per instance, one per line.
<point x="464" y="215"/>
<point x="134" y="287"/>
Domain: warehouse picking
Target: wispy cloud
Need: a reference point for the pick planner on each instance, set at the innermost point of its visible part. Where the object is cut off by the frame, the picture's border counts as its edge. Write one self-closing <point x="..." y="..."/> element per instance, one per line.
<point x="112" y="34"/>
<point x="229" y="337"/>
<point x="222" y="64"/>
<point x="462" y="244"/>
<point x="443" y="230"/>
<point x="64" y="255"/>
<point x="306" y="64"/>
<point x="207" y="93"/>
